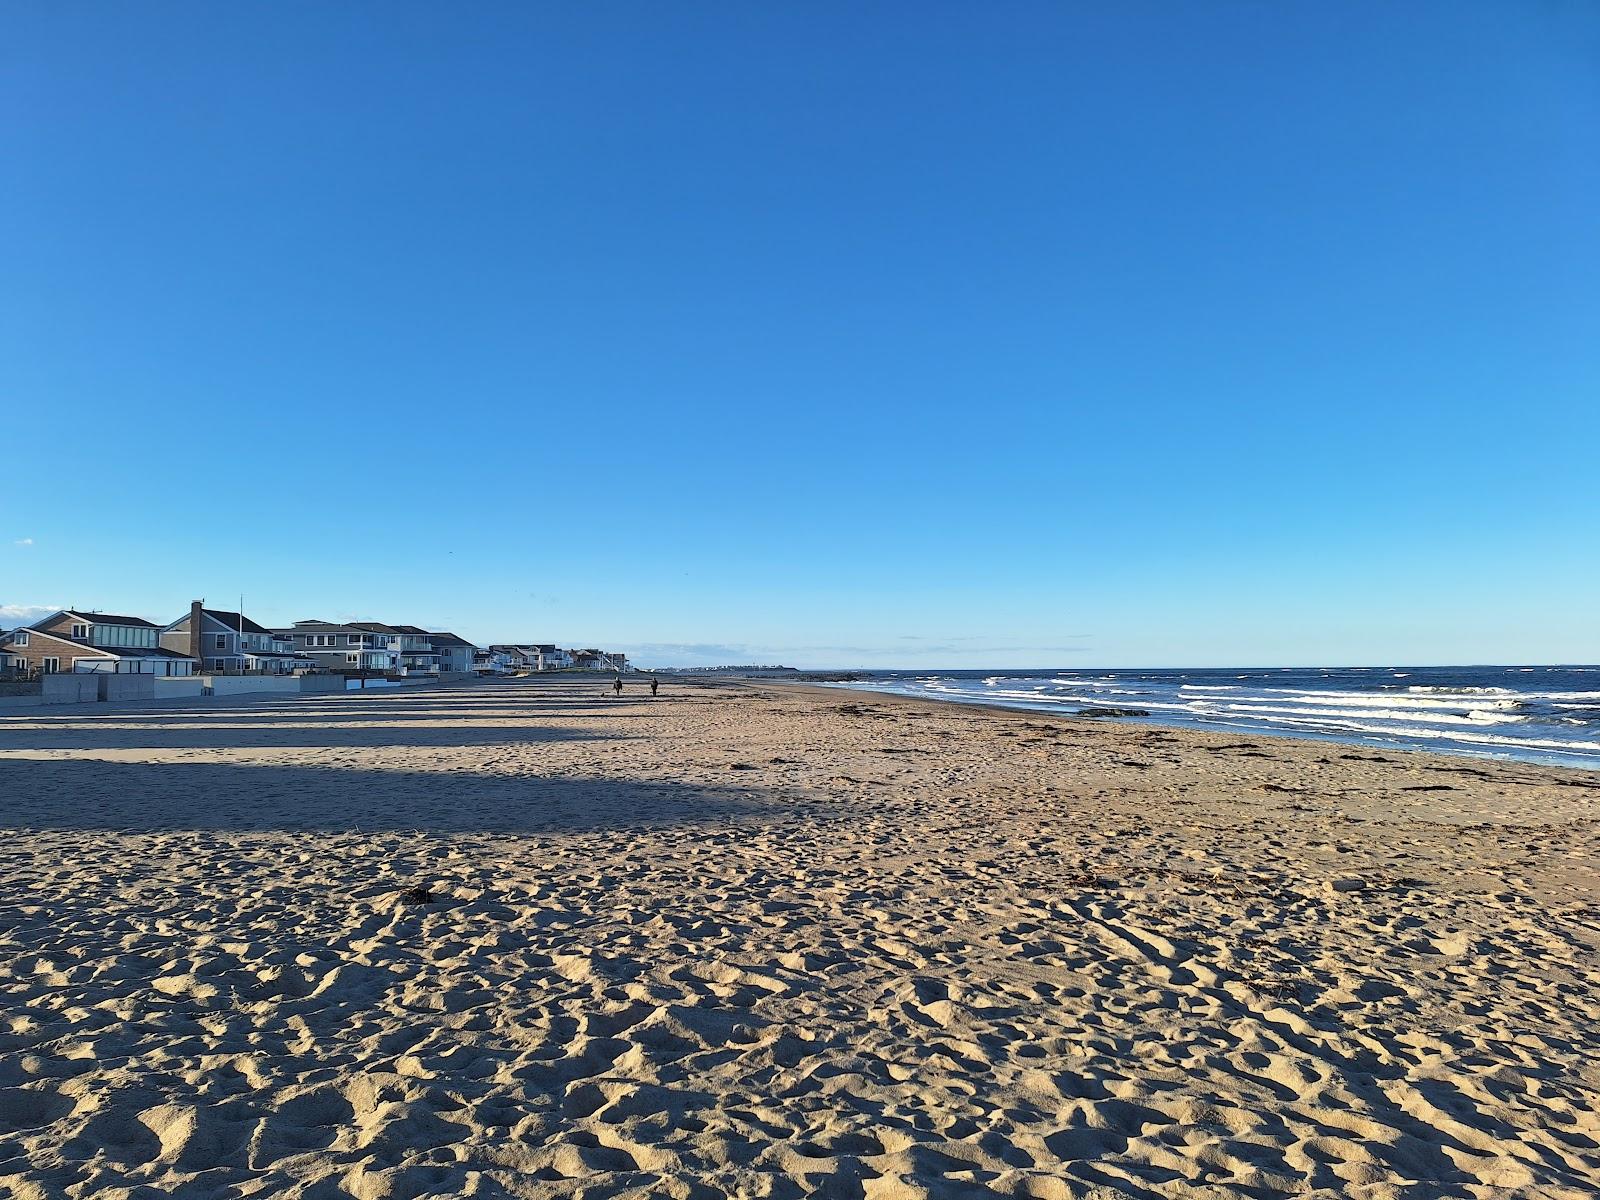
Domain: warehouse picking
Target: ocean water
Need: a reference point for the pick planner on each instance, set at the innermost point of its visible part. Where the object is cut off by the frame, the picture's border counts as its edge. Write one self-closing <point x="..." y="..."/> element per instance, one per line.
<point x="1533" y="714"/>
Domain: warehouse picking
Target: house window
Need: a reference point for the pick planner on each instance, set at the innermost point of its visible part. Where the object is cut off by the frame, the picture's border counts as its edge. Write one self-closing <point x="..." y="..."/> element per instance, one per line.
<point x="51" y="665"/>
<point x="22" y="637"/>
<point x="350" y="658"/>
<point x="80" y="631"/>
<point x="222" y="641"/>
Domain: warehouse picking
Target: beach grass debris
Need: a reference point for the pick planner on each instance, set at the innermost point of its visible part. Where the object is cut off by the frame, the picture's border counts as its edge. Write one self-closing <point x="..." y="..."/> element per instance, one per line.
<point x="1281" y="989"/>
<point x="417" y="893"/>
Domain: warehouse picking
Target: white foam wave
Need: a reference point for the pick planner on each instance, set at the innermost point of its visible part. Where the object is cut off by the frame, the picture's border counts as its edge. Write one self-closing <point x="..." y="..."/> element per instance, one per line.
<point x="1464" y="691"/>
<point x="1470" y="717"/>
<point x="1408" y="700"/>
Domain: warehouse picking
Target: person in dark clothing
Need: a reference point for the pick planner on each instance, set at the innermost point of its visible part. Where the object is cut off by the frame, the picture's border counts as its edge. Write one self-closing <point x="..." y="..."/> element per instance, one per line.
<point x="616" y="685"/>
<point x="655" y="685"/>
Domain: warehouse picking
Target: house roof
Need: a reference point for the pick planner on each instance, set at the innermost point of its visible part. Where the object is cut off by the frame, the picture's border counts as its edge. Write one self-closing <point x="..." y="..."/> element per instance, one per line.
<point x="374" y="627"/>
<point x="81" y="649"/>
<point x="448" y="639"/>
<point x="411" y="629"/>
<point x="137" y="652"/>
<point x="319" y="627"/>
<point x="100" y="618"/>
<point x="234" y="621"/>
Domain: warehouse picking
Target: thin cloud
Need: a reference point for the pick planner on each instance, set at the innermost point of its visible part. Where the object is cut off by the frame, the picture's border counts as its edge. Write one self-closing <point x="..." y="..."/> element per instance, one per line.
<point x="23" y="614"/>
<point x="23" y="542"/>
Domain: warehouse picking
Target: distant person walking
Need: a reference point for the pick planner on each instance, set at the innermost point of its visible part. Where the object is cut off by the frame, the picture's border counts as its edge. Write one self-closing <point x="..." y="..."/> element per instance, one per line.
<point x="616" y="685"/>
<point x="655" y="685"/>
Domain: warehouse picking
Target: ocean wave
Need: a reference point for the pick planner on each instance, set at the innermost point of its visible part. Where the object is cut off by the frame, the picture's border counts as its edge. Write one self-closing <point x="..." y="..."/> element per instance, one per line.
<point x="1449" y="736"/>
<point x="1465" y="691"/>
<point x="1469" y="717"/>
<point x="1462" y="698"/>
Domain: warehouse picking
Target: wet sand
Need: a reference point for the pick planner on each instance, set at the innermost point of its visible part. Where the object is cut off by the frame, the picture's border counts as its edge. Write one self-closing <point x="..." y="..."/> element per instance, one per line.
<point x="768" y="940"/>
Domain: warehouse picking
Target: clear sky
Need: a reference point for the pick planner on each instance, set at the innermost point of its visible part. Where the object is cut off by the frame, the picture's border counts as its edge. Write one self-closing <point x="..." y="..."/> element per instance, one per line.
<point x="832" y="334"/>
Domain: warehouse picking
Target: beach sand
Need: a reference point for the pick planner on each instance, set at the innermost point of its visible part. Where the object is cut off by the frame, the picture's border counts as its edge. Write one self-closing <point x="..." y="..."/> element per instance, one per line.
<point x="768" y="940"/>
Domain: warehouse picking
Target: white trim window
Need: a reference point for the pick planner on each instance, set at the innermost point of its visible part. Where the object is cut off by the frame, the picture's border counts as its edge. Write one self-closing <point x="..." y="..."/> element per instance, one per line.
<point x="80" y="631"/>
<point x="50" y="666"/>
<point x="22" y="637"/>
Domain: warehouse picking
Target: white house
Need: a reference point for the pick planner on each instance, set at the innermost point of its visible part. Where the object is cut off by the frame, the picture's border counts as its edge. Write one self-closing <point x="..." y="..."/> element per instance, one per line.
<point x="553" y="658"/>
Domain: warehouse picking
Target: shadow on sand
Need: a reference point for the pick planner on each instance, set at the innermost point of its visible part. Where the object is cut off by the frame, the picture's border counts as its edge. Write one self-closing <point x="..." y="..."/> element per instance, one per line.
<point x="147" y="797"/>
<point x="263" y="733"/>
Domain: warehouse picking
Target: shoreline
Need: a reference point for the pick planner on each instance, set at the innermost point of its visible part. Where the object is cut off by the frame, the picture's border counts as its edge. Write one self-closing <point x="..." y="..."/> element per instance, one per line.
<point x="1437" y="742"/>
<point x="764" y="938"/>
<point x="1441" y="758"/>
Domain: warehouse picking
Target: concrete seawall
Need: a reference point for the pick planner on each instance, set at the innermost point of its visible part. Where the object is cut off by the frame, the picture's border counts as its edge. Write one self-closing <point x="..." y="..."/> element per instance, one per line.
<point x="69" y="688"/>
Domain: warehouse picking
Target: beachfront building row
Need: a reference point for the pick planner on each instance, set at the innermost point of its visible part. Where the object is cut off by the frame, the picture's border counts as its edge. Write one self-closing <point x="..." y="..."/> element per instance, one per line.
<point x="374" y="646"/>
<point x="516" y="660"/>
<point x="217" y="641"/>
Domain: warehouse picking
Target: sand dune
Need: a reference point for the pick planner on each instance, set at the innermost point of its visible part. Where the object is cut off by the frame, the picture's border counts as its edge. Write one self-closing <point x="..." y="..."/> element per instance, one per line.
<point x="522" y="940"/>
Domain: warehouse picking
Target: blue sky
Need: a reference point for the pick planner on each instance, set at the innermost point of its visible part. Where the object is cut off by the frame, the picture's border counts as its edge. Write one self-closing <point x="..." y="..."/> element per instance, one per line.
<point x="1020" y="334"/>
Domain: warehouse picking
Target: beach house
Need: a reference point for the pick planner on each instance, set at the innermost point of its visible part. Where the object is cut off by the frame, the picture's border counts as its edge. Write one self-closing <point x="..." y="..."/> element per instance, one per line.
<point x="491" y="662"/>
<point x="230" y="642"/>
<point x="95" y="641"/>
<point x="336" y="646"/>
<point x="417" y="655"/>
<point x="517" y="658"/>
<point x="597" y="660"/>
<point x="412" y="645"/>
<point x="455" y="653"/>
<point x="553" y="658"/>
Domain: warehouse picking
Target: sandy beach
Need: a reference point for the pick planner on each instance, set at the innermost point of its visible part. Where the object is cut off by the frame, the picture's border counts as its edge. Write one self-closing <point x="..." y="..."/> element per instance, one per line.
<point x="752" y="939"/>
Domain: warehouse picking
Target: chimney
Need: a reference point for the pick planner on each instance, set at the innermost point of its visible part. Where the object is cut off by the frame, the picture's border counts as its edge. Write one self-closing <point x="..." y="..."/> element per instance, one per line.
<point x="196" y="608"/>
